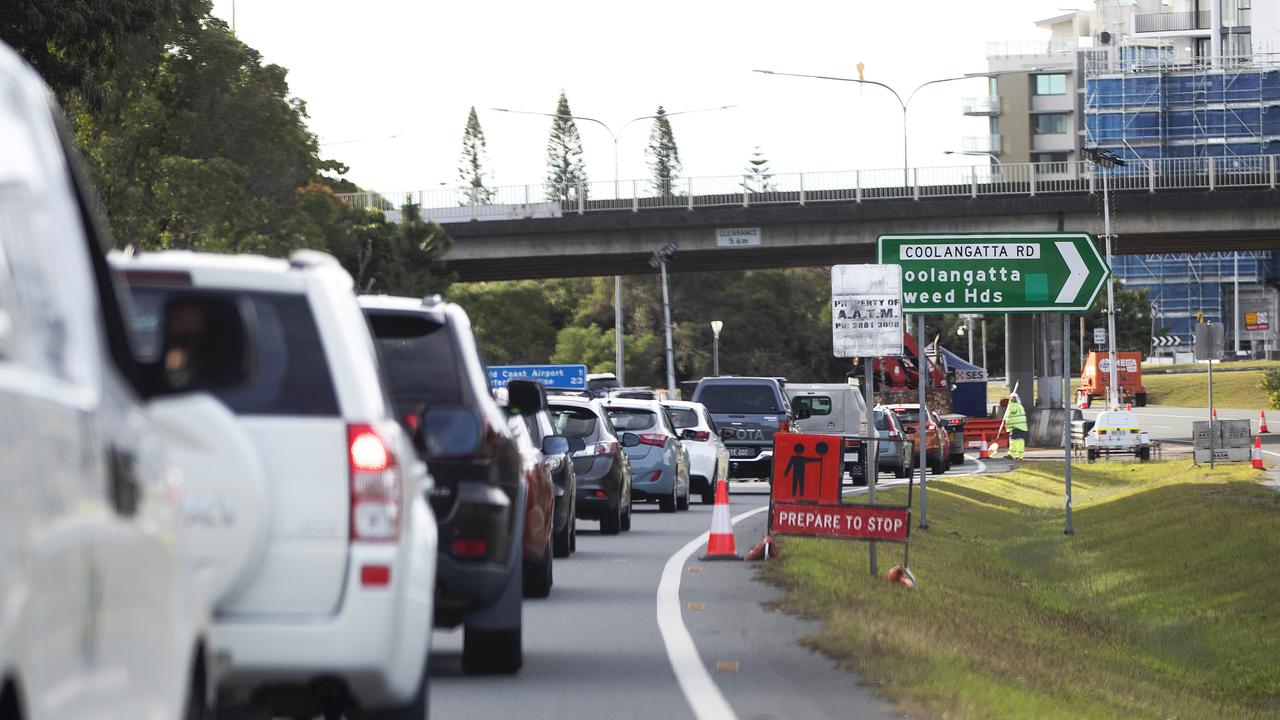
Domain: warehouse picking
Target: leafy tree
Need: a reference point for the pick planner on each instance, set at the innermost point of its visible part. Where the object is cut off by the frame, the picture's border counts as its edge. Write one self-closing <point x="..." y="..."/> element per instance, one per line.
<point x="512" y="320"/>
<point x="591" y="346"/>
<point x="566" y="172"/>
<point x="76" y="45"/>
<point x="757" y="177"/>
<point x="662" y="153"/>
<point x="473" y="172"/>
<point x="1133" y="317"/>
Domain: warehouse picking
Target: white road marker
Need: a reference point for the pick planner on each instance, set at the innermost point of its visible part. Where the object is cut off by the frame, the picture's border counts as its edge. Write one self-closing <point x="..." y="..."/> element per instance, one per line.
<point x="700" y="691"/>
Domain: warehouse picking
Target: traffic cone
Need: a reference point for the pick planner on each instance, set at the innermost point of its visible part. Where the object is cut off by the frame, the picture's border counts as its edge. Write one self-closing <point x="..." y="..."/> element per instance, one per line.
<point x="984" y="453"/>
<point x="1262" y="422"/>
<point x="1128" y="407"/>
<point x="1214" y="415"/>
<point x="1257" y="453"/>
<point x="720" y="544"/>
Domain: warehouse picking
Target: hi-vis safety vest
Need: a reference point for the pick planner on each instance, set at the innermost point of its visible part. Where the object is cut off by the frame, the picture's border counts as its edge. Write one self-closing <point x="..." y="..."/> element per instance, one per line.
<point x="1015" y="416"/>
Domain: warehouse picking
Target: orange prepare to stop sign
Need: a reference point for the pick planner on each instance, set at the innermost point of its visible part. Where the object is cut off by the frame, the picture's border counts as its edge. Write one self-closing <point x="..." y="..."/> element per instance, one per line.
<point x="807" y="468"/>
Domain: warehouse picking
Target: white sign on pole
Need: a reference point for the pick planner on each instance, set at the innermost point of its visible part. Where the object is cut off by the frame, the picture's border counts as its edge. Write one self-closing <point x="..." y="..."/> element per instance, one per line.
<point x="1099" y="336"/>
<point x="866" y="310"/>
<point x="738" y="237"/>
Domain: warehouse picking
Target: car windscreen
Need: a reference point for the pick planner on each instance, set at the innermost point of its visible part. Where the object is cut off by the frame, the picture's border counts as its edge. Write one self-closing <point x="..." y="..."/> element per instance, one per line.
<point x="682" y="417"/>
<point x="574" y="422"/>
<point x="747" y="399"/>
<point x="633" y="420"/>
<point x="290" y="374"/>
<point x="817" y="404"/>
<point x="419" y="357"/>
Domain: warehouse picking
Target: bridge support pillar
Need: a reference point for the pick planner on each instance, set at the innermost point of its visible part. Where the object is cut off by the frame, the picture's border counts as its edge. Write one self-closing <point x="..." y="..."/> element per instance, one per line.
<point x="1021" y="356"/>
<point x="1046" y="417"/>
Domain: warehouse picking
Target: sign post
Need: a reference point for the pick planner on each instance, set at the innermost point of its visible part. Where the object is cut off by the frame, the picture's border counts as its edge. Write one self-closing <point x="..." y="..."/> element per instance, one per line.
<point x="1015" y="272"/>
<point x="1208" y="347"/>
<point x="867" y="322"/>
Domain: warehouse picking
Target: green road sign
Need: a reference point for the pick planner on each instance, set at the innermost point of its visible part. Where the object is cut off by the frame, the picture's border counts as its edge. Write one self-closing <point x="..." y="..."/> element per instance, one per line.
<point x="996" y="272"/>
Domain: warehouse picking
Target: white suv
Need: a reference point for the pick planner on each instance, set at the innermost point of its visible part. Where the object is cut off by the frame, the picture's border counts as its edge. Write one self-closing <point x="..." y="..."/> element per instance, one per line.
<point x="333" y="612"/>
<point x="100" y="616"/>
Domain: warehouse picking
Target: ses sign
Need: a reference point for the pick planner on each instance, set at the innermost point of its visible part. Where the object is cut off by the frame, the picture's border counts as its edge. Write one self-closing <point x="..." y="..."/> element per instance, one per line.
<point x="866" y="310"/>
<point x="569" y="377"/>
<point x="996" y="272"/>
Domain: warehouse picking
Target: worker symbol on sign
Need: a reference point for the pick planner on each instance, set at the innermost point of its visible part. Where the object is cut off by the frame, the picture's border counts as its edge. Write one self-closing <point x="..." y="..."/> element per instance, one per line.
<point x="798" y="463"/>
<point x="807" y="468"/>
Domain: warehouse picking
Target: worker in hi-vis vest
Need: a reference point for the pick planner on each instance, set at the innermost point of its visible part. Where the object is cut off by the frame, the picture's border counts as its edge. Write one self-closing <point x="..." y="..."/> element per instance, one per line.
<point x="1015" y="418"/>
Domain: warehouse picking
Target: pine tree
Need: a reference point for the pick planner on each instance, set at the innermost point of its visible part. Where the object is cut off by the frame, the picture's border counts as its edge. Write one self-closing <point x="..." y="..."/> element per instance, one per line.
<point x="663" y="155"/>
<point x="757" y="178"/>
<point x="565" y="169"/>
<point x="473" y="172"/>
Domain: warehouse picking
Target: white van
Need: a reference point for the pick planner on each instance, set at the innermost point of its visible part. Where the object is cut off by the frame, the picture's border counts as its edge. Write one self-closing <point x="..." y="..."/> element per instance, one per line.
<point x="832" y="409"/>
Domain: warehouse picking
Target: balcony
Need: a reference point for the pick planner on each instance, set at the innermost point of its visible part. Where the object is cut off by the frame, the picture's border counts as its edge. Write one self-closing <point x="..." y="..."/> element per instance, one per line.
<point x="1171" y="22"/>
<point x="982" y="106"/>
<point x="984" y="145"/>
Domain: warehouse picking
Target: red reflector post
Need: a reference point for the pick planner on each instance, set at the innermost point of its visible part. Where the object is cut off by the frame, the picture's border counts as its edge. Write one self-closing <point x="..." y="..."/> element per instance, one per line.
<point x="375" y="575"/>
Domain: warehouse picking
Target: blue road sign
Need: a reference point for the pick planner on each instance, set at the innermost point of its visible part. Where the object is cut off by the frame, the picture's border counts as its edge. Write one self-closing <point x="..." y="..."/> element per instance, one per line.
<point x="573" y="377"/>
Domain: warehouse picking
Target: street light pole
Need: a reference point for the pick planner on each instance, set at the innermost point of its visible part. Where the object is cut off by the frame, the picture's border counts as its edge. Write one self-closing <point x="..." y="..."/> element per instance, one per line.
<point x="1106" y="160"/>
<point x="716" y="326"/>
<point x="904" y="104"/>
<point x="620" y="371"/>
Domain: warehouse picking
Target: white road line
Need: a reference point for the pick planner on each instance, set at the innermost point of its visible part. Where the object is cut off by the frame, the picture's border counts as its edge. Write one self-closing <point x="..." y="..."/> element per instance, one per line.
<point x="700" y="691"/>
<point x="1268" y="452"/>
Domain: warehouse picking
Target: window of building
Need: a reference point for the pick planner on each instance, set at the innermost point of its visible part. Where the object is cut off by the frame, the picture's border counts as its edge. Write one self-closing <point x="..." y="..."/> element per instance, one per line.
<point x="994" y="125"/>
<point x="1050" y="124"/>
<point x="1238" y="45"/>
<point x="993" y="86"/>
<point x="1051" y="84"/>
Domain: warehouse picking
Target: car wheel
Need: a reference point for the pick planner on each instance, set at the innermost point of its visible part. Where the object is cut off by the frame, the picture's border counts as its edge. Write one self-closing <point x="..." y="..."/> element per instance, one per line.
<point x="573" y="536"/>
<point x="708" y="497"/>
<point x="957" y="459"/>
<point x="1144" y="454"/>
<point x="668" y="504"/>
<point x="562" y="542"/>
<point x="197" y="696"/>
<point x="538" y="576"/>
<point x="682" y="503"/>
<point x="611" y="524"/>
<point x="417" y="709"/>
<point x="902" y="472"/>
<point x="492" y="652"/>
<point x="626" y="517"/>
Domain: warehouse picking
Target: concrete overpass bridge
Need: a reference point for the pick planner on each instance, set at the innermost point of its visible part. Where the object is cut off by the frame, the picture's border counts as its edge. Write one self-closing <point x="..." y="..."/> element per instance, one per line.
<point x="807" y="219"/>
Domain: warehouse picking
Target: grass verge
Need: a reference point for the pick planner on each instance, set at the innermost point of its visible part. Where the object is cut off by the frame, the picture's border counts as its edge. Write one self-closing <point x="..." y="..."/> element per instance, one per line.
<point x="1230" y="389"/>
<point x="1164" y="604"/>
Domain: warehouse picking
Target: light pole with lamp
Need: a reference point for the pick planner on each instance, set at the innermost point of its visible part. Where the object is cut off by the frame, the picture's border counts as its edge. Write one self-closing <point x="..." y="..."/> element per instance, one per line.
<point x="905" y="104"/>
<point x="617" y="279"/>
<point x="1107" y="160"/>
<point x="716" y="326"/>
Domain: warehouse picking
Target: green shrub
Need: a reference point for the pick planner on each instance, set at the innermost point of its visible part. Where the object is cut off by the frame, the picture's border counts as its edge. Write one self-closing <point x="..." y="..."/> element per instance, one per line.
<point x="1270" y="384"/>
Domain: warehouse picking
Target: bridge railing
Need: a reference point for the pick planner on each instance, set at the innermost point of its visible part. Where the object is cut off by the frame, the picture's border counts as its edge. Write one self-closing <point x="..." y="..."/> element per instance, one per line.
<point x="514" y="202"/>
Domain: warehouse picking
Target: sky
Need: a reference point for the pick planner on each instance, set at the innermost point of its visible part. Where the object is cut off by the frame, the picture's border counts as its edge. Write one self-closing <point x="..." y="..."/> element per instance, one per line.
<point x="388" y="83"/>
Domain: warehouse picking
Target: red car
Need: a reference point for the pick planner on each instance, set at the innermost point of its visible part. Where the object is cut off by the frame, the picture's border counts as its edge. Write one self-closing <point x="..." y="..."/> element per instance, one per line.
<point x="937" y="449"/>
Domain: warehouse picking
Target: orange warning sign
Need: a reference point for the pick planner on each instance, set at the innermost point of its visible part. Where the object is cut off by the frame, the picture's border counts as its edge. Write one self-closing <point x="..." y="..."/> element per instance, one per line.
<point x="807" y="468"/>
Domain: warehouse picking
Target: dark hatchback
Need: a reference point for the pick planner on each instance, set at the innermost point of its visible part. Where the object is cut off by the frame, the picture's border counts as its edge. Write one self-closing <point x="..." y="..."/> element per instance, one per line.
<point x="603" y="471"/>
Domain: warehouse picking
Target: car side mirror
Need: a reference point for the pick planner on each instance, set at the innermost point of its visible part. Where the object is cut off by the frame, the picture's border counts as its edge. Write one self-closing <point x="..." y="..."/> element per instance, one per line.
<point x="555" y="445"/>
<point x="630" y="439"/>
<point x="205" y="346"/>
<point x="911" y="429"/>
<point x="804" y="413"/>
<point x="526" y="397"/>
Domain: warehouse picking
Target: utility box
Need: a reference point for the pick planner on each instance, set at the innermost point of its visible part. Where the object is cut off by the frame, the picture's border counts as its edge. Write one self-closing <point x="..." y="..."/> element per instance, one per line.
<point x="1232" y="440"/>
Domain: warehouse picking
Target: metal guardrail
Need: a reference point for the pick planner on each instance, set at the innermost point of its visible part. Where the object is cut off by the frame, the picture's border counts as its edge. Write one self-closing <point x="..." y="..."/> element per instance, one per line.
<point x="518" y="202"/>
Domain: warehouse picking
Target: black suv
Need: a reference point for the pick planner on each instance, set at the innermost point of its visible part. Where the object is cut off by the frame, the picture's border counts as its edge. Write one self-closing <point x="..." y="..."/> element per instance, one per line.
<point x="440" y="390"/>
<point x="747" y="411"/>
<point x="603" y="471"/>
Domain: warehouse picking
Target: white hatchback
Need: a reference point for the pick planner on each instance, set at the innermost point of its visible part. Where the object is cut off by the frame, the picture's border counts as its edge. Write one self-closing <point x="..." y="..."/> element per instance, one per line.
<point x="708" y="457"/>
<point x="332" y="611"/>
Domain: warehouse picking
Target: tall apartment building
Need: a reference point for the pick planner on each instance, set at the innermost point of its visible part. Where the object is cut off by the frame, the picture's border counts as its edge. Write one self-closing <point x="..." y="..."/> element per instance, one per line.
<point x="1149" y="80"/>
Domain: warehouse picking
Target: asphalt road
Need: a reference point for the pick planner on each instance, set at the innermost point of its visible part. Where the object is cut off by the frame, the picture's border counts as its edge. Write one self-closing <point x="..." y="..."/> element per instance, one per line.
<point x="1173" y="424"/>
<point x="595" y="648"/>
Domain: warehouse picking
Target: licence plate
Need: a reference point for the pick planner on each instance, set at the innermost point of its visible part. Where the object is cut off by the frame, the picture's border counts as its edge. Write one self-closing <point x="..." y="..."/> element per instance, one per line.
<point x="742" y="452"/>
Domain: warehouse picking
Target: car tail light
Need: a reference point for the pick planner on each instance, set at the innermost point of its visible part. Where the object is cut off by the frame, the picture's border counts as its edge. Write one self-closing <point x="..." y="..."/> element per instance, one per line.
<point x="932" y="427"/>
<point x="657" y="475"/>
<point x="654" y="439"/>
<point x="375" y="575"/>
<point x="411" y="419"/>
<point x="784" y="425"/>
<point x="604" y="447"/>
<point x="852" y="443"/>
<point x="375" y="486"/>
<point x="470" y="548"/>
<point x="894" y="435"/>
<point x="702" y="435"/>
<point x="601" y="494"/>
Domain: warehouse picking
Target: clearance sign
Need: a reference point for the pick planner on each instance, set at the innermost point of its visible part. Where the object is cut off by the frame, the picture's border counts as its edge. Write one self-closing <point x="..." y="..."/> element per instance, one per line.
<point x="807" y="500"/>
